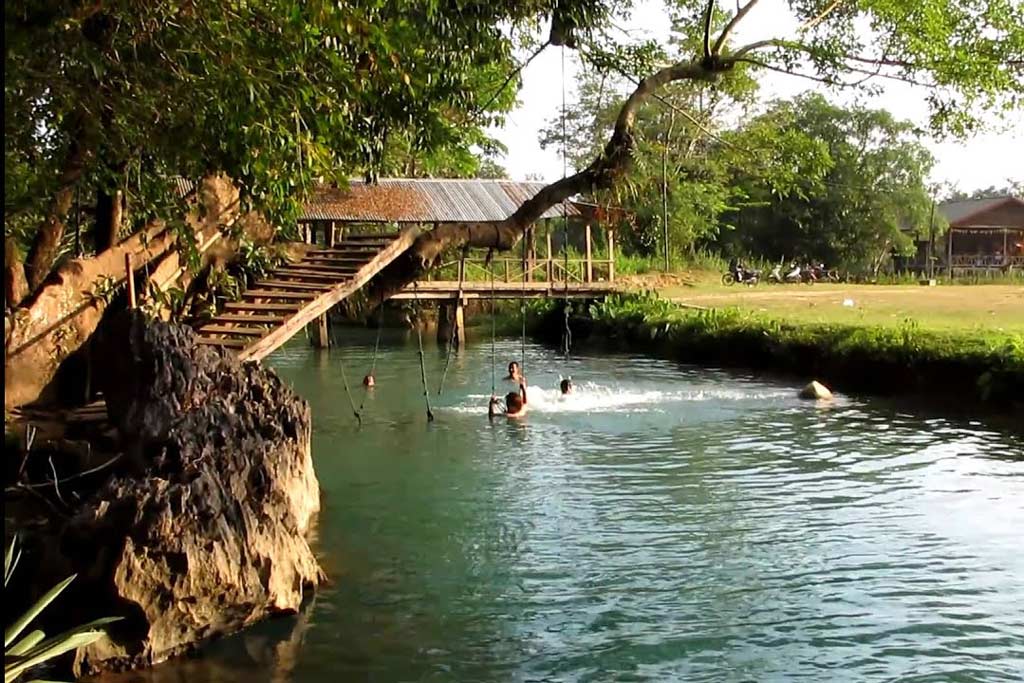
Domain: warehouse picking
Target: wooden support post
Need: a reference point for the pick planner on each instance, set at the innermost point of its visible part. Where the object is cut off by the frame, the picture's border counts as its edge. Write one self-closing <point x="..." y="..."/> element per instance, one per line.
<point x="590" y="254"/>
<point x="322" y="337"/>
<point x="333" y="234"/>
<point x="505" y="260"/>
<point x="1006" y="244"/>
<point x="444" y="324"/>
<point x="528" y="262"/>
<point x="460" y="324"/>
<point x="949" y="254"/>
<point x="551" y="259"/>
<point x="611" y="255"/>
<point x="129" y="275"/>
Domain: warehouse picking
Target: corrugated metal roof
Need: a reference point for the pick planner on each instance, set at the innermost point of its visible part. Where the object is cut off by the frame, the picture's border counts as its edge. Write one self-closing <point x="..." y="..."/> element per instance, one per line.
<point x="958" y="211"/>
<point x="404" y="200"/>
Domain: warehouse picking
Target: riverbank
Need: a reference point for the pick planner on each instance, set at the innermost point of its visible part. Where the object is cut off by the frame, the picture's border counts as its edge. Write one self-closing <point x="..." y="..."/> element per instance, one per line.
<point x="905" y="360"/>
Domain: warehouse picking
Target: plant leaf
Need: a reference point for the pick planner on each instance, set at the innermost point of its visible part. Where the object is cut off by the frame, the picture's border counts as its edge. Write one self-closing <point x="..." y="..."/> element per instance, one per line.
<point x="18" y="626"/>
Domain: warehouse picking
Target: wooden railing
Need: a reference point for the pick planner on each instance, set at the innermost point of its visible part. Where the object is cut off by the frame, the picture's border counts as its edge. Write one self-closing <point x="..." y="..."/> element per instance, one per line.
<point x="986" y="261"/>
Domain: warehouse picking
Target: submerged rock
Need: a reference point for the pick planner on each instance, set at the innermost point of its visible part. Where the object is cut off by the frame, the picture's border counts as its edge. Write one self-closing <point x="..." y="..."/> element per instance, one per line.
<point x="816" y="391"/>
<point x="206" y="531"/>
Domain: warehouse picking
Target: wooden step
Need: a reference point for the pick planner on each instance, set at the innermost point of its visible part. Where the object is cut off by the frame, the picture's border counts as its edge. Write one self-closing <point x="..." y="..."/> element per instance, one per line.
<point x="271" y="294"/>
<point x="385" y="236"/>
<point x="328" y="279"/>
<point x="331" y="260"/>
<point x="226" y="343"/>
<point x="340" y="249"/>
<point x="317" y="269"/>
<point x="254" y="319"/>
<point x="250" y="306"/>
<point x="238" y="331"/>
<point x="295" y="286"/>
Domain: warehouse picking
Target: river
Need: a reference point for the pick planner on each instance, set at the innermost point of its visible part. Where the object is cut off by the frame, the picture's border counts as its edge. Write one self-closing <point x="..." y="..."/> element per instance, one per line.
<point x="664" y="523"/>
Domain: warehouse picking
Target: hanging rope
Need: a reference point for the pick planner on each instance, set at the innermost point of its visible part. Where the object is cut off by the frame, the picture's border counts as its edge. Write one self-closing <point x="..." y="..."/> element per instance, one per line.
<point x="419" y="339"/>
<point x="455" y="326"/>
<point x="522" y="310"/>
<point x="567" y="334"/>
<point x="376" y="348"/>
<point x="348" y="392"/>
<point x="494" y="332"/>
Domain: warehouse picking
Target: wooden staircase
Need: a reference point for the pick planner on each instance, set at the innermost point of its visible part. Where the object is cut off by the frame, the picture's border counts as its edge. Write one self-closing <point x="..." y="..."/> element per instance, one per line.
<point x="275" y="308"/>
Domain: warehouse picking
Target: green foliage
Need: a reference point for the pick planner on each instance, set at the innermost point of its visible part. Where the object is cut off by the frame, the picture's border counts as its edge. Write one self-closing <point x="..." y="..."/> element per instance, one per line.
<point x="34" y="648"/>
<point x="849" y="183"/>
<point x="996" y="361"/>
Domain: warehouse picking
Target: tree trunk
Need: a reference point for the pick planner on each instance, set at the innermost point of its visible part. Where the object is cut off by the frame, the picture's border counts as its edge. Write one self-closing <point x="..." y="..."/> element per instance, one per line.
<point x="50" y="233"/>
<point x="15" y="285"/>
<point x="109" y="213"/>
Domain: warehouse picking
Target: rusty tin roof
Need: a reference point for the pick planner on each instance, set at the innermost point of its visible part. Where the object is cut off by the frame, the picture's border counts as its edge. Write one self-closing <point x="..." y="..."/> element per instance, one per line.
<point x="404" y="200"/>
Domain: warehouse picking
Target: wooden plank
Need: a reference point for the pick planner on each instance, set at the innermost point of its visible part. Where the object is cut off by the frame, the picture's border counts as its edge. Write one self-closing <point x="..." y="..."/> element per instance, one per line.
<point x="331" y="259"/>
<point x="238" y="331"/>
<point x="250" y="306"/>
<point x="271" y="294"/>
<point x="315" y="276"/>
<point x="254" y="318"/>
<point x="590" y="254"/>
<point x="341" y="250"/>
<point x="317" y="269"/>
<point x="294" y="286"/>
<point x="326" y="301"/>
<point x="226" y="343"/>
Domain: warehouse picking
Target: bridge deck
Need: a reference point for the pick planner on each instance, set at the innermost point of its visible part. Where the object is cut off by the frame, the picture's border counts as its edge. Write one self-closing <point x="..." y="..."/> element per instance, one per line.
<point x="433" y="290"/>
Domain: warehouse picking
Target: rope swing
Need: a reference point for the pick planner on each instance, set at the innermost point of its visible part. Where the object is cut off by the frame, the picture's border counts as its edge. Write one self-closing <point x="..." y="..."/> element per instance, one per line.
<point x="370" y="380"/>
<point x="455" y="328"/>
<point x="419" y="339"/>
<point x="567" y="334"/>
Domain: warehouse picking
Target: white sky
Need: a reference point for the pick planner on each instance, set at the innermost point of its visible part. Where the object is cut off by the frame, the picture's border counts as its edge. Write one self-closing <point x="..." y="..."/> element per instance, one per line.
<point x="990" y="158"/>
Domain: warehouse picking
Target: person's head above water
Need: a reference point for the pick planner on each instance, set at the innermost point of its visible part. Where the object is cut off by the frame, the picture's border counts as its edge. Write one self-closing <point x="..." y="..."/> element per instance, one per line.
<point x="368" y="381"/>
<point x="513" y="370"/>
<point x="513" y="403"/>
<point x="566" y="386"/>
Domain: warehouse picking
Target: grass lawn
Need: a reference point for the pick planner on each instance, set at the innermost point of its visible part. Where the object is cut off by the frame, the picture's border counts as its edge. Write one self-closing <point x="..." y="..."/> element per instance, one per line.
<point x="991" y="310"/>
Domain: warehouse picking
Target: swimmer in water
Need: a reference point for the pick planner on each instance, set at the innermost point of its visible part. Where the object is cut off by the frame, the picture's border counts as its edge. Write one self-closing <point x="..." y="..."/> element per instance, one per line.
<point x="515" y="404"/>
<point x="566" y="386"/>
<point x="515" y="373"/>
<point x="369" y="382"/>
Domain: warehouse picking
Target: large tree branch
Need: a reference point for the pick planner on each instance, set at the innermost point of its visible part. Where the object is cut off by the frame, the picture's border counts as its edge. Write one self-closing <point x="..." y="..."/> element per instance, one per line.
<point x="600" y="174"/>
<point x="737" y="18"/>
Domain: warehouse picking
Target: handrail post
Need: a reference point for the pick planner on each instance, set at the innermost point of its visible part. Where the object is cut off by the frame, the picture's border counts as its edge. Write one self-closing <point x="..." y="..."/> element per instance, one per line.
<point x="589" y="252"/>
<point x="551" y="266"/>
<point x="611" y="255"/>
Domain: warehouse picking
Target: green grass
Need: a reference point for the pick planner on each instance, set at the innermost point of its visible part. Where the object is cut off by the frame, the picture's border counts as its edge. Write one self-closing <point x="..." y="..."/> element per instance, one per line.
<point x="993" y="311"/>
<point x="876" y="358"/>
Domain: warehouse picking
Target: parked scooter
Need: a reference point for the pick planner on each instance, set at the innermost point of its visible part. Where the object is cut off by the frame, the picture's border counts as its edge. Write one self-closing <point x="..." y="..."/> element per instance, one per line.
<point x="794" y="274"/>
<point x="743" y="275"/>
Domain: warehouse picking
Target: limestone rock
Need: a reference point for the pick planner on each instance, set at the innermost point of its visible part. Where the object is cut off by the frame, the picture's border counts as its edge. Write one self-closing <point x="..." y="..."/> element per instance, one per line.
<point x="816" y="391"/>
<point x="206" y="534"/>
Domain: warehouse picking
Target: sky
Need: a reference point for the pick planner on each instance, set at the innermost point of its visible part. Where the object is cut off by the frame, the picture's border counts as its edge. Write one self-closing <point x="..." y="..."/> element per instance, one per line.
<point x="990" y="158"/>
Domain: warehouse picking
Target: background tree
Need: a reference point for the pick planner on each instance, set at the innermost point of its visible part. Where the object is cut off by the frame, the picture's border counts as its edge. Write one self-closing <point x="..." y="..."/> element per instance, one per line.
<point x="858" y="187"/>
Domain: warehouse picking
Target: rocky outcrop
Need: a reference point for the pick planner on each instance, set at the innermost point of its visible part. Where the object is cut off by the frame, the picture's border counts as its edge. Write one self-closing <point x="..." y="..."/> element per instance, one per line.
<point x="205" y="532"/>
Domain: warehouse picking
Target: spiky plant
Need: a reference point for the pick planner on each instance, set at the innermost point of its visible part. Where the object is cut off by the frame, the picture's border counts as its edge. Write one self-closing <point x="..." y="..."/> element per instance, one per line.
<point x="34" y="648"/>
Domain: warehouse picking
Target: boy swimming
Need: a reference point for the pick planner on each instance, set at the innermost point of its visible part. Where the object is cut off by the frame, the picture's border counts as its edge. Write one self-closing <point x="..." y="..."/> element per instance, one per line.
<point x="565" y="386"/>
<point x="515" y="404"/>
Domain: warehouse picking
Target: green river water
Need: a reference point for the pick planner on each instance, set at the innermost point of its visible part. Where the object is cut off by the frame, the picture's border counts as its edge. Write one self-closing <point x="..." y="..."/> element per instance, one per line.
<point x="666" y="523"/>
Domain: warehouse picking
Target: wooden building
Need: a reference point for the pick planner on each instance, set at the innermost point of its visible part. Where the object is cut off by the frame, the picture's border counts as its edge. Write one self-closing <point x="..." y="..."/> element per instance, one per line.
<point x="984" y="235"/>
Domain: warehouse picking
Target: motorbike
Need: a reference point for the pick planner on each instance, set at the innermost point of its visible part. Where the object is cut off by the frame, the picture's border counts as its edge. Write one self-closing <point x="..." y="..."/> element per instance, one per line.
<point x="794" y="274"/>
<point x="743" y="276"/>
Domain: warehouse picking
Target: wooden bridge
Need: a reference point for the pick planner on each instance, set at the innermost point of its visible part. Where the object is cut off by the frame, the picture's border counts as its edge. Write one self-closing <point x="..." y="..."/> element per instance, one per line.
<point x="297" y="294"/>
